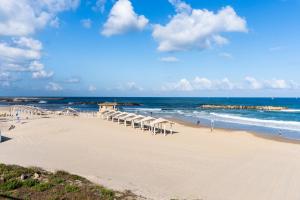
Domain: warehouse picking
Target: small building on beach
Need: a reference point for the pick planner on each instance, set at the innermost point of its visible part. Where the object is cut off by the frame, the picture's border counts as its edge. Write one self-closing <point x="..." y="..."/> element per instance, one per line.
<point x="107" y="106"/>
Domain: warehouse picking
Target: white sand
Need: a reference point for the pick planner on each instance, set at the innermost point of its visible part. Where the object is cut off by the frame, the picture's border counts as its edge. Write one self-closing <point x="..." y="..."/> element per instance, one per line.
<point x="194" y="163"/>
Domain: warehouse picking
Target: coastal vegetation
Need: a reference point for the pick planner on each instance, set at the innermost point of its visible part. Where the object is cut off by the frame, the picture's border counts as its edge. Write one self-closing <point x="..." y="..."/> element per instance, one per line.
<point x="18" y="182"/>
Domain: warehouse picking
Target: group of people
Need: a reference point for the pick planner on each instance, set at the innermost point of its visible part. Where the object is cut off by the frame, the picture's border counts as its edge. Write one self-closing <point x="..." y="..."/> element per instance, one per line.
<point x="212" y="124"/>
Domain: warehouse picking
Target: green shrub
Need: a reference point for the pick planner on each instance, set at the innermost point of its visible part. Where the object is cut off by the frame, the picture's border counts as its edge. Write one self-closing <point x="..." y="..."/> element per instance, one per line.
<point x="43" y="187"/>
<point x="11" y="185"/>
<point x="71" y="188"/>
<point x="107" y="193"/>
<point x="30" y="182"/>
<point x="56" y="180"/>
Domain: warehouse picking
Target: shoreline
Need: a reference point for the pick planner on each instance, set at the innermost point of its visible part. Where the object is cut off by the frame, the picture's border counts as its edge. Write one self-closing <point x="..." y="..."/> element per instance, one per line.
<point x="190" y="164"/>
<point x="190" y="124"/>
<point x="256" y="134"/>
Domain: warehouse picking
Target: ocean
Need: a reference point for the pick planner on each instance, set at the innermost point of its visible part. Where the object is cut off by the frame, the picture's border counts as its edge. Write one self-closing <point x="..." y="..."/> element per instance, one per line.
<point x="284" y="123"/>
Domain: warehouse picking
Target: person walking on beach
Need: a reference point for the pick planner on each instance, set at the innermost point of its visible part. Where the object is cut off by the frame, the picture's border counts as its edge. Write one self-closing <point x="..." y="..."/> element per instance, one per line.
<point x="212" y="125"/>
<point x="198" y="122"/>
<point x="17" y="116"/>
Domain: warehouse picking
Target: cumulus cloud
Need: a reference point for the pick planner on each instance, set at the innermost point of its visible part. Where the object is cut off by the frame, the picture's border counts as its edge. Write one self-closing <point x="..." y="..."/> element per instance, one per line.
<point x="276" y="48"/>
<point x="249" y="83"/>
<point x="196" y="29"/>
<point x="99" y="6"/>
<point x="52" y="86"/>
<point x="29" y="43"/>
<point x="42" y="74"/>
<point x="73" y="80"/>
<point x="23" y="55"/>
<point x="130" y="86"/>
<point x="19" y="20"/>
<point x="169" y="59"/>
<point x="122" y="18"/>
<point x="24" y="17"/>
<point x="225" y="55"/>
<point x="181" y="6"/>
<point x="11" y="52"/>
<point x="5" y="79"/>
<point x="92" y="88"/>
<point x="86" y="23"/>
<point x="201" y="83"/>
<point x="253" y="83"/>
<point x="55" y="23"/>
<point x="181" y="85"/>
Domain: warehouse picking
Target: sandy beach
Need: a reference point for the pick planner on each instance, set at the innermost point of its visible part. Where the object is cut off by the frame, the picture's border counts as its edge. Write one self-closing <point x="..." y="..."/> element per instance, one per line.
<point x="191" y="164"/>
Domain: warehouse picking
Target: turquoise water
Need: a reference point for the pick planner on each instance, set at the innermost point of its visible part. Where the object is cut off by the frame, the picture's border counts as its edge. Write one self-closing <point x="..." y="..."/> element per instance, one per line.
<point x="284" y="123"/>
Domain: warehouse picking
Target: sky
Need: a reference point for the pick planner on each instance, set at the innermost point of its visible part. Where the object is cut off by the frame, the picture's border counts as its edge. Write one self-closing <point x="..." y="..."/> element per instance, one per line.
<point x="182" y="48"/>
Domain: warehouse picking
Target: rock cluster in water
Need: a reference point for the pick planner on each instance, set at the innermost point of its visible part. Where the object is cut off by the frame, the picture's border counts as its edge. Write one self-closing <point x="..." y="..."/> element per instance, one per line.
<point x="240" y="107"/>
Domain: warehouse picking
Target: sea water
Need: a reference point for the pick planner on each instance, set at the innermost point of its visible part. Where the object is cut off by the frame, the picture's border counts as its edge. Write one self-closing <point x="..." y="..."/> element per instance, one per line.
<point x="284" y="123"/>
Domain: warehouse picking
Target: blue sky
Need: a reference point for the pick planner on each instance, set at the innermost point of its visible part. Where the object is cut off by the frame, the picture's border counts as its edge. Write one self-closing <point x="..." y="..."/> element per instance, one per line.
<point x="149" y="48"/>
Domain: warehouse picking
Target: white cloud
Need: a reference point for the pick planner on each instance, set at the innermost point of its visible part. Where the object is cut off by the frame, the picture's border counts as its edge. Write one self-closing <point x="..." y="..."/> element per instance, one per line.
<point x="225" y="55"/>
<point x="38" y="71"/>
<point x="181" y="85"/>
<point x="99" y="6"/>
<point x="196" y="28"/>
<point x="276" y="48"/>
<point x="130" y="86"/>
<point x="19" y="19"/>
<point x="23" y="55"/>
<point x="73" y="80"/>
<point x="51" y="86"/>
<point x="86" y="23"/>
<point x="122" y="18"/>
<point x="41" y="74"/>
<point x="24" y="17"/>
<point x="278" y="84"/>
<point x="92" y="88"/>
<point x="253" y="83"/>
<point x="5" y="79"/>
<point x="13" y="53"/>
<point x="29" y="43"/>
<point x="169" y="59"/>
<point x="200" y="83"/>
<point x="181" y="6"/>
<point x="55" y="23"/>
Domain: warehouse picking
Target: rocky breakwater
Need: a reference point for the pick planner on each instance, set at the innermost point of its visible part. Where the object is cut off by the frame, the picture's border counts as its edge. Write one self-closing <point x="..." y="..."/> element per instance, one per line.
<point x="241" y="107"/>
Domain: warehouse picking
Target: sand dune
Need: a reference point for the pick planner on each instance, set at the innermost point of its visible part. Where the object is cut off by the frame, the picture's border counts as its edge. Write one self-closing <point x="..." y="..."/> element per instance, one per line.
<point x="193" y="163"/>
